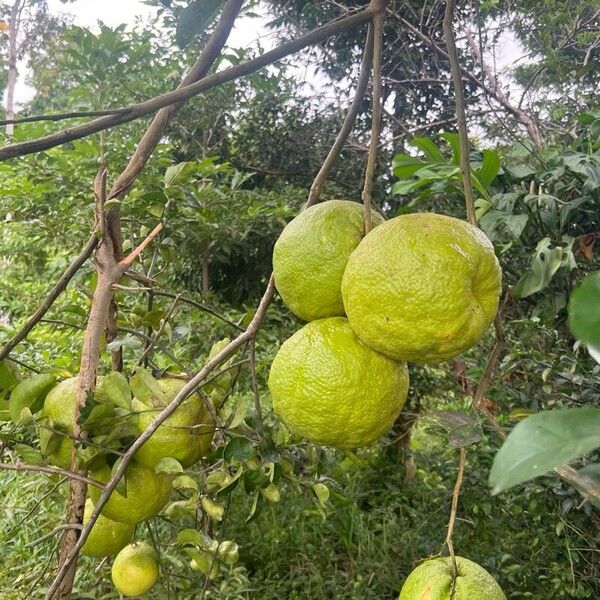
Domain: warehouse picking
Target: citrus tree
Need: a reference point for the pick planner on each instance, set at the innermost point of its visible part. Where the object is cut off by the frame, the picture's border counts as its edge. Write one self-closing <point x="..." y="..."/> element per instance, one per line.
<point x="147" y="388"/>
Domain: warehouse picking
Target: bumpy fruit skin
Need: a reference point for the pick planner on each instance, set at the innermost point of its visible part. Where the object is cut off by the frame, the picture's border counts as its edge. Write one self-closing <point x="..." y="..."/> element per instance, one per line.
<point x="59" y="412"/>
<point x="432" y="580"/>
<point x="135" y="569"/>
<point x="310" y="256"/>
<point x="330" y="388"/>
<point x="147" y="493"/>
<point x="107" y="536"/>
<point x="174" y="438"/>
<point x="422" y="287"/>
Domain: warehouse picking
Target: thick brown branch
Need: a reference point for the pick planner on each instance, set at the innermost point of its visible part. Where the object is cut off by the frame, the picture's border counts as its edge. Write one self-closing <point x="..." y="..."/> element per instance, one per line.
<point x="349" y="119"/>
<point x="461" y="117"/>
<point x="135" y="111"/>
<point x="55" y="292"/>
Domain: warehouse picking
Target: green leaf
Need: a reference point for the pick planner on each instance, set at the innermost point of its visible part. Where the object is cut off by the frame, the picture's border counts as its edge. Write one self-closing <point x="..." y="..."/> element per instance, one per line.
<point x="429" y="149"/>
<point x="546" y="261"/>
<point x="237" y="450"/>
<point x="540" y="442"/>
<point x="520" y="171"/>
<point x="30" y="394"/>
<point x="179" y="173"/>
<point x="584" y="310"/>
<point x="404" y="165"/>
<point x="145" y="388"/>
<point x="191" y="536"/>
<point x="489" y="168"/>
<point x="454" y="140"/>
<point x="116" y="390"/>
<point x="212" y="509"/>
<point x="168" y="465"/>
<point x="321" y="491"/>
<point x="28" y="454"/>
<point x="193" y="19"/>
<point x="185" y="483"/>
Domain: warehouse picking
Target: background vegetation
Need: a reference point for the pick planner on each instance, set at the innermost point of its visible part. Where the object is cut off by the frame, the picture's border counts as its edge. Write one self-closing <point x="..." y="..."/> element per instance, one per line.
<point x="233" y="168"/>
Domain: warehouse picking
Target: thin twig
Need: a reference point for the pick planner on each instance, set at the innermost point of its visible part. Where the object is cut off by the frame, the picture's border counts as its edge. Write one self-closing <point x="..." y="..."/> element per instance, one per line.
<point x="58" y="528"/>
<point x="54" y="293"/>
<point x="349" y="119"/>
<point x="367" y="193"/>
<point x="453" y="512"/>
<point x="461" y="118"/>
<point x="61" y="116"/>
<point x="130" y="259"/>
<point x="254" y="383"/>
<point x="162" y="327"/>
<point x="51" y="471"/>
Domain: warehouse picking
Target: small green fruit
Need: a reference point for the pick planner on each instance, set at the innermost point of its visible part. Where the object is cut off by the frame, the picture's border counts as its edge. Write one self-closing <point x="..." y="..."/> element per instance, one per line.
<point x="135" y="569"/>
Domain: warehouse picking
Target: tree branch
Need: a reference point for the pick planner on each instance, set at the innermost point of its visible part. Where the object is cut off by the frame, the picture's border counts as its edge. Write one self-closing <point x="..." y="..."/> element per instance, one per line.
<point x="135" y="111"/>
<point x="55" y="292"/>
<point x="61" y="116"/>
<point x="51" y="471"/>
<point x="461" y="118"/>
<point x="453" y="513"/>
<point x="367" y="192"/>
<point x="349" y="119"/>
<point x="242" y="339"/>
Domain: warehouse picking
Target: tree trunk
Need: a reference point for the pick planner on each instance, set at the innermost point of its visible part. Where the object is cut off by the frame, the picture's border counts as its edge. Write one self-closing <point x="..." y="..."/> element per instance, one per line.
<point x="13" y="31"/>
<point x="205" y="277"/>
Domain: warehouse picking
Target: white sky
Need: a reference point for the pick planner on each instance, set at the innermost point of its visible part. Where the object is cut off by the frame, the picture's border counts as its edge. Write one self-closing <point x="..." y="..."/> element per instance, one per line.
<point x="246" y="31"/>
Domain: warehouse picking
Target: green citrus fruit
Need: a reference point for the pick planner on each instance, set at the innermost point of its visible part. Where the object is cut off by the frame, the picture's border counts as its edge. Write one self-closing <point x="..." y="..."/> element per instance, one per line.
<point x="135" y="569"/>
<point x="107" y="536"/>
<point x="422" y="287"/>
<point x="310" y="256"/>
<point x="147" y="493"/>
<point x="432" y="580"/>
<point x="330" y="388"/>
<point x="58" y="414"/>
<point x="186" y="435"/>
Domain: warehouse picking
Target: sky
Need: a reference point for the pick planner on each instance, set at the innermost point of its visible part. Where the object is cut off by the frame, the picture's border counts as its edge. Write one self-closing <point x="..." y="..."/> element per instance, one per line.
<point x="246" y="31"/>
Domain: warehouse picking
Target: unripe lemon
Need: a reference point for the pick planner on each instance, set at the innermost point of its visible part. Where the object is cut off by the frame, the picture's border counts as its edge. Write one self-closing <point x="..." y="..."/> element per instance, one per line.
<point x="186" y="435"/>
<point x="107" y="537"/>
<point x="432" y="580"/>
<point x="330" y="388"/>
<point x="310" y="256"/>
<point x="147" y="493"/>
<point x="422" y="287"/>
<point x="135" y="569"/>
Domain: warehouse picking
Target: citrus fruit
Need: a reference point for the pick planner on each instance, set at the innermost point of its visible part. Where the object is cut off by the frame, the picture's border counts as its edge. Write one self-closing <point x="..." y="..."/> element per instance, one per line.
<point x="422" y="287"/>
<point x="147" y="493"/>
<point x="58" y="414"/>
<point x="311" y="253"/>
<point x="330" y="388"/>
<point x="107" y="537"/>
<point x="432" y="580"/>
<point x="186" y="435"/>
<point x="135" y="569"/>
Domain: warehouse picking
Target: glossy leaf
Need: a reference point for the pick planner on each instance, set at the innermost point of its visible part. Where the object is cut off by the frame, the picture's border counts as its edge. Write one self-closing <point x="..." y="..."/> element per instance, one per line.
<point x="584" y="310"/>
<point x="540" y="442"/>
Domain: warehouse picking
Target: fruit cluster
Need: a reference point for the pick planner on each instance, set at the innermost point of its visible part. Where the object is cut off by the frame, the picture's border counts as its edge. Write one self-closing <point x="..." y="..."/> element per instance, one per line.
<point x="420" y="287"/>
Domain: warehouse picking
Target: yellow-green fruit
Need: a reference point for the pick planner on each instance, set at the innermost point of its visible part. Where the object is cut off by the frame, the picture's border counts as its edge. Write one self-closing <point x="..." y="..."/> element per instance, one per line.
<point x="422" y="287"/>
<point x="135" y="569"/>
<point x="59" y="414"/>
<point x="107" y="536"/>
<point x="432" y="580"/>
<point x="147" y="493"/>
<point x="330" y="388"/>
<point x="186" y="435"/>
<point x="310" y="256"/>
